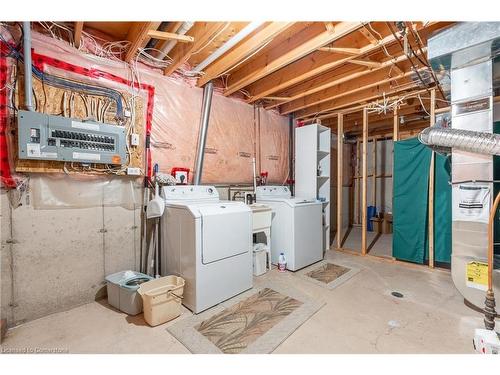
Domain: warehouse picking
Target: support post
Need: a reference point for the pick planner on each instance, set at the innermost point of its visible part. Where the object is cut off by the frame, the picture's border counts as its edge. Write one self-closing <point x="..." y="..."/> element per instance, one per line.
<point x="395" y="136"/>
<point x="363" y="198"/>
<point x="340" y="181"/>
<point x="202" y="138"/>
<point x="374" y="172"/>
<point x="431" y="184"/>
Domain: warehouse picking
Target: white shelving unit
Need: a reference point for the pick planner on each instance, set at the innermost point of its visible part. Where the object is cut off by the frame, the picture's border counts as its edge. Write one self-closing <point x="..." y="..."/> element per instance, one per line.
<point x="312" y="169"/>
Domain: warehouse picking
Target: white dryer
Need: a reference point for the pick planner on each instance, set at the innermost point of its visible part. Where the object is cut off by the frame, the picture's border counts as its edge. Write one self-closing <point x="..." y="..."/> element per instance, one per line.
<point x="208" y="242"/>
<point x="296" y="228"/>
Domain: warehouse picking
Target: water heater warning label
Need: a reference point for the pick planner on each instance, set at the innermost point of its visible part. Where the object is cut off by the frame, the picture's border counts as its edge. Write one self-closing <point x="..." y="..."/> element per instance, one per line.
<point x="476" y="275"/>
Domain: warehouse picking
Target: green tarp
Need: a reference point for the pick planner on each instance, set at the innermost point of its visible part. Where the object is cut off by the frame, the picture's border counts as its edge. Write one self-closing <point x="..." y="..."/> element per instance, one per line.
<point x="410" y="187"/>
<point x="410" y="206"/>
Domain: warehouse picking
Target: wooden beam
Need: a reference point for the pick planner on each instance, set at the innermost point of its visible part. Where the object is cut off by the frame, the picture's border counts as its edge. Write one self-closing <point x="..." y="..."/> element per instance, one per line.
<point x="202" y="32"/>
<point x="374" y="171"/>
<point x="364" y="95"/>
<point x="431" y="184"/>
<point x="363" y="82"/>
<point x="77" y="34"/>
<point x="263" y="67"/>
<point x="243" y="50"/>
<point x="137" y="34"/>
<point x="343" y="50"/>
<point x="366" y="32"/>
<point x="368" y="63"/>
<point x="163" y="35"/>
<point x="340" y="181"/>
<point x="364" y="221"/>
<point x="395" y="135"/>
<point x="319" y="62"/>
<point x="300" y="93"/>
<point x="330" y="27"/>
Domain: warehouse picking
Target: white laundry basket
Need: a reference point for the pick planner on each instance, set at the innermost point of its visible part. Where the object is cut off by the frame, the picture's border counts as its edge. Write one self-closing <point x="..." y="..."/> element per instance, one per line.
<point x="161" y="299"/>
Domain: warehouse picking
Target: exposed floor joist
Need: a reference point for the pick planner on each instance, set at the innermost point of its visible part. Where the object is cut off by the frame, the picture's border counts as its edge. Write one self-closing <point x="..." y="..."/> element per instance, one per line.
<point x="263" y="67"/>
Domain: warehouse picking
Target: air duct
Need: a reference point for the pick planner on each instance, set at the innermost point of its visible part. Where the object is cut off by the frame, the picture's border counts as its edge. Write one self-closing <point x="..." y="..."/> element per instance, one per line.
<point x="28" y="80"/>
<point x="464" y="140"/>
<point x="208" y="91"/>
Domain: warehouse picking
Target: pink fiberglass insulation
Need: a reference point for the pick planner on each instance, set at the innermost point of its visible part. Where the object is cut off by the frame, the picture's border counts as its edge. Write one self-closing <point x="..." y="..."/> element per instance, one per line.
<point x="232" y="131"/>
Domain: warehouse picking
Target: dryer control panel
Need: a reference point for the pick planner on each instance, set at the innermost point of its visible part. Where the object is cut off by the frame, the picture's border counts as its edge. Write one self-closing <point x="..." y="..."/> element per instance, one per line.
<point x="190" y="192"/>
<point x="273" y="191"/>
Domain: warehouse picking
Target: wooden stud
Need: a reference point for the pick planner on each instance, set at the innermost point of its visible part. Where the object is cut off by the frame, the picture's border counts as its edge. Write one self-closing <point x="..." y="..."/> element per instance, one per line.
<point x="374" y="172"/>
<point x="78" y="29"/>
<point x="264" y="67"/>
<point x="163" y="35"/>
<point x="395" y="136"/>
<point x="358" y="167"/>
<point x="340" y="180"/>
<point x="363" y="183"/>
<point x="431" y="184"/>
<point x="369" y="35"/>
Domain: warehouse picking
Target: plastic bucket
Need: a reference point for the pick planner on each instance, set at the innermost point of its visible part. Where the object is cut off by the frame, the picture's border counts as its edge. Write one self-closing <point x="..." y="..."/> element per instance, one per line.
<point x="370" y="212"/>
<point x="161" y="299"/>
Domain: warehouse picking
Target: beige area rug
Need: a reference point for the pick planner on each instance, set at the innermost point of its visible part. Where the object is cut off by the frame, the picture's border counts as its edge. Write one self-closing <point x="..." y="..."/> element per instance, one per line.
<point x="328" y="274"/>
<point x="257" y="322"/>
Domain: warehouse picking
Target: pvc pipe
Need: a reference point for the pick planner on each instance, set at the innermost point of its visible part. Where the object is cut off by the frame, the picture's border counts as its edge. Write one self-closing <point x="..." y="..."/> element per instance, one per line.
<point x="208" y="90"/>
<point x="252" y="26"/>
<point x="254" y="177"/>
<point x="28" y="80"/>
<point x="182" y="30"/>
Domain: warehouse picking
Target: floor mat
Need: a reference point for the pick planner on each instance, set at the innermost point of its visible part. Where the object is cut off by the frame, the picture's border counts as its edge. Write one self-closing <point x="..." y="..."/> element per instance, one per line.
<point x="257" y="322"/>
<point x="328" y="274"/>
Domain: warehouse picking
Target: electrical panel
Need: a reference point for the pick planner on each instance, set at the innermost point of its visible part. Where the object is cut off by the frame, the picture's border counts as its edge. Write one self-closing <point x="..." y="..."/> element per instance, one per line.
<point x="48" y="137"/>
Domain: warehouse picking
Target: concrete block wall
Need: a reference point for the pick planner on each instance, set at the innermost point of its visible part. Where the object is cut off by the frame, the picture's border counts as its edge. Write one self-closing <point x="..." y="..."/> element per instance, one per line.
<point x="56" y="259"/>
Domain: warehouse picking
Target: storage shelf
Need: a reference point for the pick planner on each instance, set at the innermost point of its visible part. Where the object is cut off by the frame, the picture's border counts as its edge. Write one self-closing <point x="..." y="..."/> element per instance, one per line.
<point x="322" y="154"/>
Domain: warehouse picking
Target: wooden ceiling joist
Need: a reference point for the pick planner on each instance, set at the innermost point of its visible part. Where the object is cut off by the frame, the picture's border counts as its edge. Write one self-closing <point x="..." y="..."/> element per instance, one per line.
<point x="376" y="80"/>
<point x="243" y="50"/>
<point x="163" y="35"/>
<point x="263" y="67"/>
<point x="365" y="95"/>
<point x="137" y="35"/>
<point x="314" y="64"/>
<point x="343" y="50"/>
<point x="364" y="62"/>
<point x="78" y="33"/>
<point x="327" y="89"/>
<point x="201" y="32"/>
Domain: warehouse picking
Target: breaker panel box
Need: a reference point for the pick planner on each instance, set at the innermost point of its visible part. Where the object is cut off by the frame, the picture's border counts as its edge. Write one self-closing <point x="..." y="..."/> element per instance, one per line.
<point x="48" y="137"/>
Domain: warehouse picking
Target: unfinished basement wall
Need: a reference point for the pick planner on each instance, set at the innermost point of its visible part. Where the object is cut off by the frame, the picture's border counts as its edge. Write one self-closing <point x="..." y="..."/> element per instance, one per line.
<point x="384" y="163"/>
<point x="68" y="233"/>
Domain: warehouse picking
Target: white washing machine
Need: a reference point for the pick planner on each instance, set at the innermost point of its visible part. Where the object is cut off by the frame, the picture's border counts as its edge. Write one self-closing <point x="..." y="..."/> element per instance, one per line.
<point x="208" y="242"/>
<point x="296" y="228"/>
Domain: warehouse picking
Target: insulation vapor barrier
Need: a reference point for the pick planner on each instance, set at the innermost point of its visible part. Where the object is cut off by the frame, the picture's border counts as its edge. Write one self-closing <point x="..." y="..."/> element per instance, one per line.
<point x="232" y="131"/>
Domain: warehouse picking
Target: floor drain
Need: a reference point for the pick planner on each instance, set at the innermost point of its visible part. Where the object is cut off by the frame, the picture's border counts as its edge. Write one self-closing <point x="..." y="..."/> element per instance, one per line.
<point x="397" y="294"/>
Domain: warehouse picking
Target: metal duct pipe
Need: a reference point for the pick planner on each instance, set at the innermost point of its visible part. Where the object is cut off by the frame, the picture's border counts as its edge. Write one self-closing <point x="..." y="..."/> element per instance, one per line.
<point x="208" y="91"/>
<point x="28" y="80"/>
<point x="182" y="30"/>
<point x="465" y="140"/>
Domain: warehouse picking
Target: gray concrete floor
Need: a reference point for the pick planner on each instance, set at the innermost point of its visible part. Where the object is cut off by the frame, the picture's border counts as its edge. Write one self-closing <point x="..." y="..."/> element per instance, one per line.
<point x="360" y="316"/>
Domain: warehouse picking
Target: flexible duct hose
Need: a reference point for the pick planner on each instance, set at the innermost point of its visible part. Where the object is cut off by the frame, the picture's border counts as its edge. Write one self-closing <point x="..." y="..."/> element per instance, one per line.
<point x="465" y="140"/>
